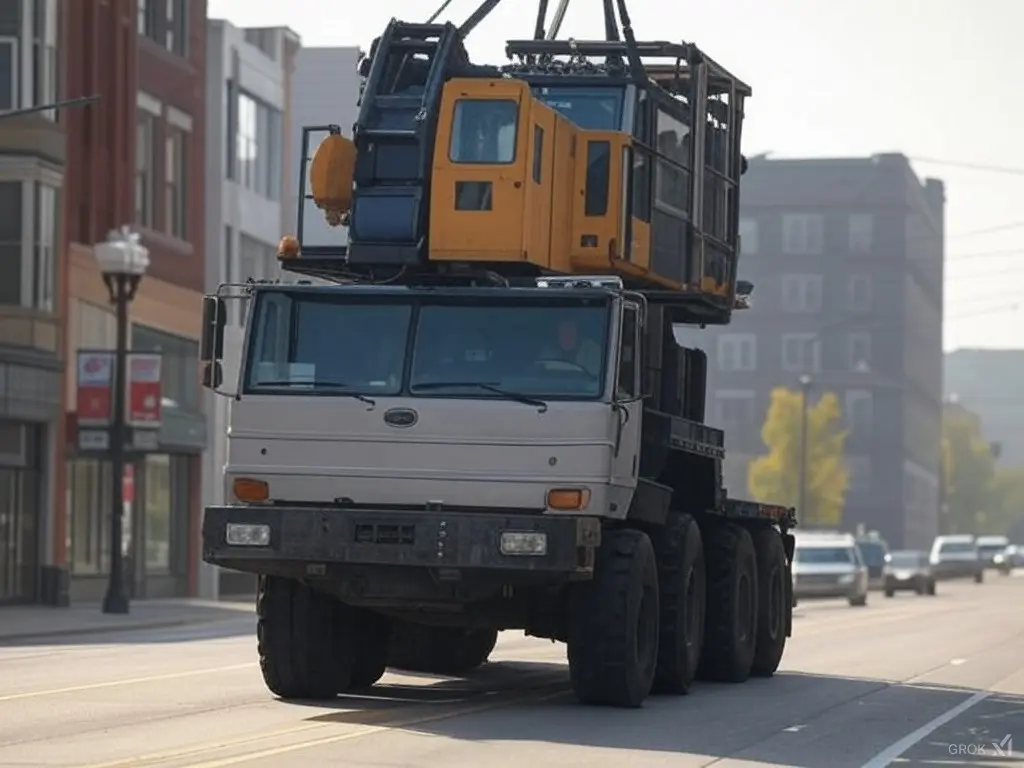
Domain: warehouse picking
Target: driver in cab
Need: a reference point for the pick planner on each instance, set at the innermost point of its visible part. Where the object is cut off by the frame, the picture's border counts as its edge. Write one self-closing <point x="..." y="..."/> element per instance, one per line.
<point x="571" y="351"/>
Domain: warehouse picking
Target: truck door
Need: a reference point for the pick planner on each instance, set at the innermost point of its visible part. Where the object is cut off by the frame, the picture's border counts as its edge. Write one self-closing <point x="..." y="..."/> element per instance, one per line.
<point x="628" y="405"/>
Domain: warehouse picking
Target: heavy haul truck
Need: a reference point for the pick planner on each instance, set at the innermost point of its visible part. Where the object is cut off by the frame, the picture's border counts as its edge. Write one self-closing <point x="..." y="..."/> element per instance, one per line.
<point x="474" y="415"/>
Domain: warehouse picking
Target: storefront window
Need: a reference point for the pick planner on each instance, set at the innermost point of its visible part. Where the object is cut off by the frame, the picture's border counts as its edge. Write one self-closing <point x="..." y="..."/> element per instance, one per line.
<point x="89" y="504"/>
<point x="158" y="513"/>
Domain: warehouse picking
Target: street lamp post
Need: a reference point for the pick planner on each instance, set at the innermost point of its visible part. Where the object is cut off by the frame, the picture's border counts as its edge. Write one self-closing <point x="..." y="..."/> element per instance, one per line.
<point x="805" y="387"/>
<point x="123" y="261"/>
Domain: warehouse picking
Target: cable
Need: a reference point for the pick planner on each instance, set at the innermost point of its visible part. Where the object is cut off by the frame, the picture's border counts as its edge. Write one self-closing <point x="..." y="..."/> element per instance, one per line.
<point x="987" y="230"/>
<point x="1003" y="169"/>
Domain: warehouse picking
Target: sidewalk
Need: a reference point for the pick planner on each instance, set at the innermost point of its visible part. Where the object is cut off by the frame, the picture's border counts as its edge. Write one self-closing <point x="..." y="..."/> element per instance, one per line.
<point x="38" y="622"/>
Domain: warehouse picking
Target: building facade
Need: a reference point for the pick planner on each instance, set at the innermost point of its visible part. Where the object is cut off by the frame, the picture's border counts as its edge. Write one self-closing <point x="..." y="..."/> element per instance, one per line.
<point x="326" y="92"/>
<point x="847" y="261"/>
<point x="32" y="169"/>
<point x="248" y="96"/>
<point x="137" y="160"/>
<point x="990" y="383"/>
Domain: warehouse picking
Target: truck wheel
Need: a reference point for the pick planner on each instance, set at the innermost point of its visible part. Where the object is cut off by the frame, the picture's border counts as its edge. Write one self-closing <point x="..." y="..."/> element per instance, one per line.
<point x="307" y="650"/>
<point x="613" y="623"/>
<point x="772" y="597"/>
<point x="372" y="659"/>
<point x="440" y="650"/>
<point x="730" y="629"/>
<point x="680" y="556"/>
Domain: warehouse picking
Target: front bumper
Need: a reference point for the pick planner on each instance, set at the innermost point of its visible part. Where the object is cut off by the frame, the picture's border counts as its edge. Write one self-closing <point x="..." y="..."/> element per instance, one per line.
<point x="310" y="541"/>
<point x="812" y="586"/>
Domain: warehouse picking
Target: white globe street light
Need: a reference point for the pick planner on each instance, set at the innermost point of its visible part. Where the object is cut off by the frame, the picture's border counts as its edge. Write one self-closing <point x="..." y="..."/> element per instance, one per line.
<point x="123" y="260"/>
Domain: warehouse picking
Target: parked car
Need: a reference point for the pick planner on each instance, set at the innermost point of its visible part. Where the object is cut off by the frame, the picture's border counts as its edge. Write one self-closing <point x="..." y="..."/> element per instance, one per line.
<point x="991" y="546"/>
<point x="957" y="557"/>
<point x="829" y="565"/>
<point x="874" y="551"/>
<point x="909" y="569"/>
<point x="1010" y="558"/>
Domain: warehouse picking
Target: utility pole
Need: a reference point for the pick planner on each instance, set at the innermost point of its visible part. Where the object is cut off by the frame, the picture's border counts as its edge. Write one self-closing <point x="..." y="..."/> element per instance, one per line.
<point x="805" y="387"/>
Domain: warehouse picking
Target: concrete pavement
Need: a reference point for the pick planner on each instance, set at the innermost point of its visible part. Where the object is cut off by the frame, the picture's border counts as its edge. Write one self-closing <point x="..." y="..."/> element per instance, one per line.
<point x="906" y="681"/>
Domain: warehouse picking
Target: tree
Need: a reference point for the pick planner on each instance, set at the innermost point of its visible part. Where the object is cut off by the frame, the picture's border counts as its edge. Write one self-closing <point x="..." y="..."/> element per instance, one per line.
<point x="775" y="476"/>
<point x="969" y="471"/>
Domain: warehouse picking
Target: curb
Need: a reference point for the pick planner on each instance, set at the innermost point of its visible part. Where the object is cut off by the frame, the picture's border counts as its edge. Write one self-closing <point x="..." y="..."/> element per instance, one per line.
<point x="91" y="631"/>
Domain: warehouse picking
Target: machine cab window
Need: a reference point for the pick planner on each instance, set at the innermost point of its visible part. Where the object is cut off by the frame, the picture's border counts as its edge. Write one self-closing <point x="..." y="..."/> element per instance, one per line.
<point x="484" y="131"/>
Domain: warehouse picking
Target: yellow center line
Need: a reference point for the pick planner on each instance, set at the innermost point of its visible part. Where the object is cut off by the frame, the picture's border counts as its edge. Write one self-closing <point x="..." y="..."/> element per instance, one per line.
<point x="117" y="683"/>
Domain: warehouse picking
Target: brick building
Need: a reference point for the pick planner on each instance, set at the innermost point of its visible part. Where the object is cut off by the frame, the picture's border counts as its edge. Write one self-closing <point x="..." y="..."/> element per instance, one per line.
<point x="137" y="159"/>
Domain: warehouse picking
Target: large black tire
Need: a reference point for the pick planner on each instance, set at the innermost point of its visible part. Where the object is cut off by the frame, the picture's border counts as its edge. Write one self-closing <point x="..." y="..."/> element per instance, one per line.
<point x="372" y="658"/>
<point x="772" y="601"/>
<point x="306" y="648"/>
<point x="433" y="650"/>
<point x="613" y="623"/>
<point x="681" y="593"/>
<point x="730" y="627"/>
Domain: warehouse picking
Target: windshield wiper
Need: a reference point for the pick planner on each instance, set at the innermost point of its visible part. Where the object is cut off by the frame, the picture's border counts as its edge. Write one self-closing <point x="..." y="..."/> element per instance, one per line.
<point x="339" y="386"/>
<point x="489" y="386"/>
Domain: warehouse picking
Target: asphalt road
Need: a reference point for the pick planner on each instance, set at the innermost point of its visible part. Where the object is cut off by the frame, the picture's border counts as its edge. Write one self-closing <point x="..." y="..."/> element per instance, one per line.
<point x="906" y="681"/>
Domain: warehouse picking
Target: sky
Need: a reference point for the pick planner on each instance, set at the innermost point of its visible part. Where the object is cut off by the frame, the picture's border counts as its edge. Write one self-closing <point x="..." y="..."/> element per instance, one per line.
<point x="934" y="79"/>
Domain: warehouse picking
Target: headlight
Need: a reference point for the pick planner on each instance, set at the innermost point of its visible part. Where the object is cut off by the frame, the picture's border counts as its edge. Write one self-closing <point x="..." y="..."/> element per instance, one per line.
<point x="846" y="578"/>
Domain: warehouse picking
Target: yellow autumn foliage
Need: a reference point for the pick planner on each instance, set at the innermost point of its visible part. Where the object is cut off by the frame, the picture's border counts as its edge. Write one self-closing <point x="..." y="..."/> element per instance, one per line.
<point x="775" y="476"/>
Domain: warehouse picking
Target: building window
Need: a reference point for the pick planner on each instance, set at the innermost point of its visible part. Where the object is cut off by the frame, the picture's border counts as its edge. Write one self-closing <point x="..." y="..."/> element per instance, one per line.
<point x="858" y="350"/>
<point x="801" y="352"/>
<point x="859" y="294"/>
<point x="29" y="233"/>
<point x="734" y="409"/>
<point x="748" y="236"/>
<point x="859" y="468"/>
<point x="28" y="54"/>
<point x="89" y="499"/>
<point x="175" y="147"/>
<point x="802" y="293"/>
<point x="256" y="155"/>
<point x="44" y="54"/>
<point x="737" y="352"/>
<point x="145" y="130"/>
<point x="803" y="234"/>
<point x="859" y="413"/>
<point x="179" y="379"/>
<point x="861" y="232"/>
<point x="176" y="27"/>
<point x="47" y="223"/>
<point x="157" y="500"/>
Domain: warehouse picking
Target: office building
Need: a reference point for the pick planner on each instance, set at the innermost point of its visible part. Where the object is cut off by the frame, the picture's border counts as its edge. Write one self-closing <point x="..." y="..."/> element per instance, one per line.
<point x="990" y="382"/>
<point x="846" y="256"/>
<point x="249" y="207"/>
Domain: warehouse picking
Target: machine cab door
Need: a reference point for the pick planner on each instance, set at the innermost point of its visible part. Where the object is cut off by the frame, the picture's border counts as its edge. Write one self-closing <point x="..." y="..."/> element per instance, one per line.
<point x="627" y="405"/>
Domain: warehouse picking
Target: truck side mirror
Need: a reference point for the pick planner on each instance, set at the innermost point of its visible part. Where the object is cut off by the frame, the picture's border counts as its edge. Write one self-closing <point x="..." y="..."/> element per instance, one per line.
<point x="215" y="317"/>
<point x="213" y="374"/>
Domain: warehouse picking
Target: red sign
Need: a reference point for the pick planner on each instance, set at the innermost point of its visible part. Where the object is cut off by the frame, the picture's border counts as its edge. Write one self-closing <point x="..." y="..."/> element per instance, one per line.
<point x="95" y="387"/>
<point x="144" y="391"/>
<point x="128" y="485"/>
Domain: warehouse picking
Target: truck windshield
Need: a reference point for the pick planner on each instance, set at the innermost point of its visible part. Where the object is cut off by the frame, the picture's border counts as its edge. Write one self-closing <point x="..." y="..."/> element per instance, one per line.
<point x="591" y="108"/>
<point x="304" y="341"/>
<point x="335" y="344"/>
<point x="529" y="349"/>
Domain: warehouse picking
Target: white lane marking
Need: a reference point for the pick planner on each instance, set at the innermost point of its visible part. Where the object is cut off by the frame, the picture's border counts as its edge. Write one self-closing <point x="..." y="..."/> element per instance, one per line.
<point x="890" y="753"/>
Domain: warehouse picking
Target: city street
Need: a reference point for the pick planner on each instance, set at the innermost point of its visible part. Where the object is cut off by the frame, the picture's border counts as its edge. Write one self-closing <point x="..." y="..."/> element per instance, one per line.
<point x="904" y="681"/>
